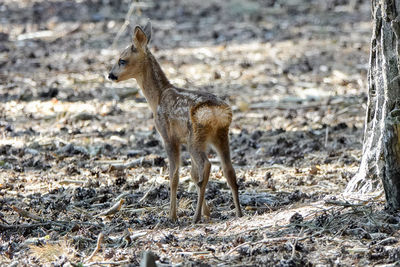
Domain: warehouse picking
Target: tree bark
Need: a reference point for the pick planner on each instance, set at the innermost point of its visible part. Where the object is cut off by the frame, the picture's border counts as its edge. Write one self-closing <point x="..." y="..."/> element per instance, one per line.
<point x="381" y="146"/>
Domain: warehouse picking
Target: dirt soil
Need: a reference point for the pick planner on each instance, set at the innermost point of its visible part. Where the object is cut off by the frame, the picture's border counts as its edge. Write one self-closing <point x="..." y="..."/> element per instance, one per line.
<point x="73" y="144"/>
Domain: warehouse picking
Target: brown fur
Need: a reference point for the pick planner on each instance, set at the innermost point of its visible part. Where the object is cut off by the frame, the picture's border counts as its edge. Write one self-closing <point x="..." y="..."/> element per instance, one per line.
<point x="215" y="116"/>
<point x="181" y="116"/>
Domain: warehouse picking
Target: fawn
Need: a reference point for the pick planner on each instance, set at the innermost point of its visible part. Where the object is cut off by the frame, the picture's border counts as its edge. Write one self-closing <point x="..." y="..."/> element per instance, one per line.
<point x="195" y="118"/>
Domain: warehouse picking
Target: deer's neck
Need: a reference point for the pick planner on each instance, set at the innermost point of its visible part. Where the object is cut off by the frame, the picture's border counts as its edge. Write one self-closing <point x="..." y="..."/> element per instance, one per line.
<point x="152" y="81"/>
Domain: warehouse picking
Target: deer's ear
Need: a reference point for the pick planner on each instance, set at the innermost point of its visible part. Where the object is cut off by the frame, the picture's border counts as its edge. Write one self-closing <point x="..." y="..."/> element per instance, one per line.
<point x="139" y="38"/>
<point x="147" y="31"/>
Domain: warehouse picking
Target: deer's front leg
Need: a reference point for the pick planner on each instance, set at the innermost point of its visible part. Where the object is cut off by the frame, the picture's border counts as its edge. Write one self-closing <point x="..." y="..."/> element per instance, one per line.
<point x="172" y="149"/>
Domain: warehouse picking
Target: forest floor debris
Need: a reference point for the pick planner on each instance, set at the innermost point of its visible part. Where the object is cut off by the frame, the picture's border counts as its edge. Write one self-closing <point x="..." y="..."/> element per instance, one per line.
<point x="84" y="177"/>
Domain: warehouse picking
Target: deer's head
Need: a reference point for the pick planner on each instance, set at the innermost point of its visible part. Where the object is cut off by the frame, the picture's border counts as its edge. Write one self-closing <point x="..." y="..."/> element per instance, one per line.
<point x="131" y="61"/>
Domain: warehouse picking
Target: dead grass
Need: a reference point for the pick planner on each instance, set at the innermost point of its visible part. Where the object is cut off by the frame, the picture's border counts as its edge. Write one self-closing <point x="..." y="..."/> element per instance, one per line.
<point x="73" y="144"/>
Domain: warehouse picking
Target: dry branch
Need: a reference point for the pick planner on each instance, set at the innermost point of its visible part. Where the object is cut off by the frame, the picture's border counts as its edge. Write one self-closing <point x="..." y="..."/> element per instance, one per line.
<point x="342" y="203"/>
<point x="114" y="209"/>
<point x="148" y="192"/>
<point x="295" y="243"/>
<point x="68" y="181"/>
<point x="140" y="162"/>
<point x="27" y="214"/>
<point x="126" y="23"/>
<point x="100" y="239"/>
<point x="21" y="226"/>
<point x="107" y="263"/>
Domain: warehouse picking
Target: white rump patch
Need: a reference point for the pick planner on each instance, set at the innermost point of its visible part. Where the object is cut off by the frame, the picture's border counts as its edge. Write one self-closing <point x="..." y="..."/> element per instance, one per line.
<point x="218" y="116"/>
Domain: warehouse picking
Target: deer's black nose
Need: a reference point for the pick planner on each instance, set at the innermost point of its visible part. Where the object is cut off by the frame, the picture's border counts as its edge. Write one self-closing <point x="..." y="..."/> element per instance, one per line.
<point x="112" y="76"/>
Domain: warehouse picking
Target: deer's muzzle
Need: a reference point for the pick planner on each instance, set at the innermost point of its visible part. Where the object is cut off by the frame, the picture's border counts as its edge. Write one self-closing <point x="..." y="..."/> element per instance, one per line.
<point x="112" y="77"/>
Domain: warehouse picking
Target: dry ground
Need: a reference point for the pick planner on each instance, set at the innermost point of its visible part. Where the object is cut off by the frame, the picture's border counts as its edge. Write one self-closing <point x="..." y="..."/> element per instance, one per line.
<point x="73" y="144"/>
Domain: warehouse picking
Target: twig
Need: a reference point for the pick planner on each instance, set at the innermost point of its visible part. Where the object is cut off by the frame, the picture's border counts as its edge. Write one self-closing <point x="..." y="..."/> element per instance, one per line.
<point x="3" y="220"/>
<point x="326" y="136"/>
<point x="49" y="35"/>
<point x="25" y="225"/>
<point x="27" y="214"/>
<point x="33" y="225"/>
<point x="100" y="239"/>
<point x="341" y="203"/>
<point x="137" y="235"/>
<point x="140" y="162"/>
<point x="126" y="23"/>
<point x="194" y="253"/>
<point x="67" y="181"/>
<point x="121" y="196"/>
<point x="284" y="107"/>
<point x="106" y="263"/>
<point x="148" y="191"/>
<point x="131" y="164"/>
<point x="295" y="243"/>
<point x="114" y="209"/>
<point x="145" y="208"/>
<point x="341" y="230"/>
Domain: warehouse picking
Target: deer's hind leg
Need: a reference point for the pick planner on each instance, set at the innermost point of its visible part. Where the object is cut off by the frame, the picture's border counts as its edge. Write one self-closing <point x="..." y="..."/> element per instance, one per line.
<point x="195" y="177"/>
<point x="197" y="149"/>
<point x="221" y="144"/>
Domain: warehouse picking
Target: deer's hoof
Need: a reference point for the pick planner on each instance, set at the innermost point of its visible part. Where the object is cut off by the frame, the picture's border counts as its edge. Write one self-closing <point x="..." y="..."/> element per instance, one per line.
<point x="239" y="213"/>
<point x="206" y="211"/>
<point x="173" y="218"/>
<point x="196" y="219"/>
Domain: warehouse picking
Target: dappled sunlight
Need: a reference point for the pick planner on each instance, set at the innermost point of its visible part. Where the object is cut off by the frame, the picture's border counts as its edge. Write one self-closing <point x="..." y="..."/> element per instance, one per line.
<point x="73" y="143"/>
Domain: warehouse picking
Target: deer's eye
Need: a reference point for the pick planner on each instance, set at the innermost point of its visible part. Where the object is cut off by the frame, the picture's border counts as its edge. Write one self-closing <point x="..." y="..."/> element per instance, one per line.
<point x="121" y="62"/>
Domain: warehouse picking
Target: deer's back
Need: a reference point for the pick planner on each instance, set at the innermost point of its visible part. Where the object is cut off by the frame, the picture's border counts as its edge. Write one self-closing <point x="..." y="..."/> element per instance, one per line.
<point x="183" y="110"/>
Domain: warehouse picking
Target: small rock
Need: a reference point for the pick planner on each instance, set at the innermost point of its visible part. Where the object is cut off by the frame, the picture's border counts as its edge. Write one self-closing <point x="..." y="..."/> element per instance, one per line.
<point x="132" y="138"/>
<point x="3" y="36"/>
<point x="5" y="149"/>
<point x="314" y="170"/>
<point x="245" y="65"/>
<point x="296" y="218"/>
<point x="256" y="135"/>
<point x="72" y="149"/>
<point x="340" y="126"/>
<point x="118" y="139"/>
<point x="243" y="106"/>
<point x="388" y="241"/>
<point x="31" y="151"/>
<point x="152" y="143"/>
<point x="80" y="150"/>
<point x="83" y="116"/>
<point x="52" y="92"/>
<point x="378" y="236"/>
<point x="135" y="153"/>
<point x="192" y="188"/>
<point x="94" y="150"/>
<point x="8" y="128"/>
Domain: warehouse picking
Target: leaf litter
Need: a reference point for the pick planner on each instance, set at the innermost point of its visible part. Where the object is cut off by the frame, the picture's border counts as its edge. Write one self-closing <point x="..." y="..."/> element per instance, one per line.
<point x="84" y="177"/>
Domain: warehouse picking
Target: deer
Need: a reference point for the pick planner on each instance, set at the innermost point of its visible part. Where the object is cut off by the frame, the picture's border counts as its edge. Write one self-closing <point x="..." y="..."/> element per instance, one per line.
<point x="182" y="117"/>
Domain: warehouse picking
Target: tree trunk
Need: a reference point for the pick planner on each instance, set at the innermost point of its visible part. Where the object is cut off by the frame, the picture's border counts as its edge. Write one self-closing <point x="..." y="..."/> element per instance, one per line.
<point x="381" y="146"/>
